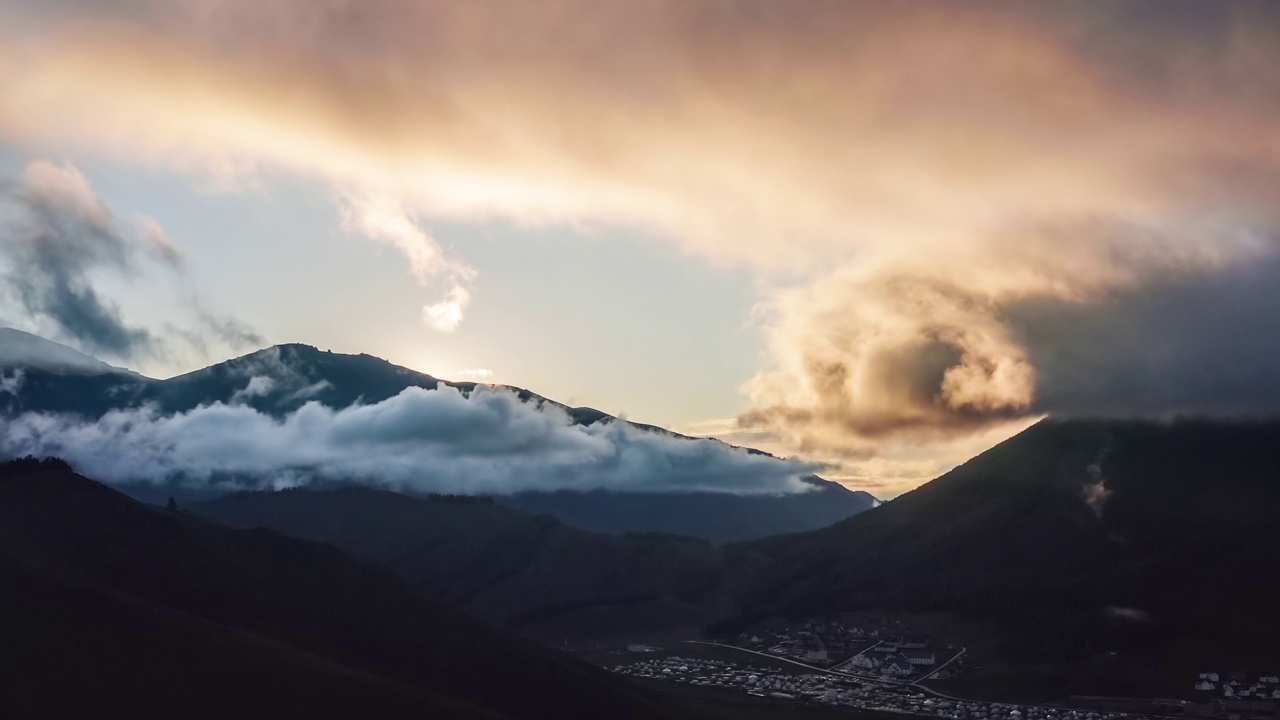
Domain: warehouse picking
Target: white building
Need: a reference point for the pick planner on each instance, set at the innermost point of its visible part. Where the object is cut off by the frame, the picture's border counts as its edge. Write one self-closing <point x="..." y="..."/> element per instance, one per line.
<point x="897" y="667"/>
<point x="864" y="662"/>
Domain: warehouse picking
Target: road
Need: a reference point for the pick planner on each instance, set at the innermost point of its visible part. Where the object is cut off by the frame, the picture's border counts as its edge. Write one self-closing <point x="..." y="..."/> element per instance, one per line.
<point x="939" y="669"/>
<point x="864" y="650"/>
<point x="862" y="678"/>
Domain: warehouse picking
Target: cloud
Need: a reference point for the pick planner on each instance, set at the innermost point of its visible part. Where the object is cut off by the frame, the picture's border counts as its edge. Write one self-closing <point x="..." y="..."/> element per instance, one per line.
<point x="1096" y="496"/>
<point x="479" y="373"/>
<point x="12" y="384"/>
<point x="1096" y="493"/>
<point x="57" y="237"/>
<point x="933" y="350"/>
<point x="487" y="441"/>
<point x="1129" y="614"/>
<point x="229" y="331"/>
<point x="446" y="315"/>
<point x="308" y="391"/>
<point x="1184" y="343"/>
<point x="258" y="386"/>
<point x="272" y="370"/>
<point x="386" y="220"/>
<point x="155" y="235"/>
<point x="56" y="234"/>
<point x="932" y="194"/>
<point x="886" y="469"/>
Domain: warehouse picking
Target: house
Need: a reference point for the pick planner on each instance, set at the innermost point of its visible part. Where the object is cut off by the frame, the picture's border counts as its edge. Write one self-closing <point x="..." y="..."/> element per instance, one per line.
<point x="897" y="666"/>
<point x="815" y="656"/>
<point x="864" y="662"/>
<point x="1205" y="685"/>
<point x="923" y="658"/>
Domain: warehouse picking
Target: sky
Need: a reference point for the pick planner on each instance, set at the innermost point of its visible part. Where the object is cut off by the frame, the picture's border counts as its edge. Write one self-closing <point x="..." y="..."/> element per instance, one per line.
<point x="880" y="237"/>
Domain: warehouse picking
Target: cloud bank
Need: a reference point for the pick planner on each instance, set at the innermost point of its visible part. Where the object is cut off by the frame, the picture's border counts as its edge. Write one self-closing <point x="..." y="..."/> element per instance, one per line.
<point x="484" y="442"/>
<point x="969" y="213"/>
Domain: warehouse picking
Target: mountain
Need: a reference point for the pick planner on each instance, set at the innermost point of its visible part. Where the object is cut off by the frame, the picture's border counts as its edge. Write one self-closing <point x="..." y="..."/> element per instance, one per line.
<point x="24" y="350"/>
<point x="718" y="517"/>
<point x="109" y="606"/>
<point x="281" y="379"/>
<point x="1100" y="557"/>
<point x="530" y="573"/>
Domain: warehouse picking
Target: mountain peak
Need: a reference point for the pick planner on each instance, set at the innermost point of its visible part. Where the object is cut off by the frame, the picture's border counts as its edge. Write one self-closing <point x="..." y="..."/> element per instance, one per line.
<point x="23" y="349"/>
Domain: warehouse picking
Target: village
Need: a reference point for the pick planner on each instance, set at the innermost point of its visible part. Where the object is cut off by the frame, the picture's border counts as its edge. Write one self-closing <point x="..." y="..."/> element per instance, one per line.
<point x="843" y="691"/>
<point x="886" y="653"/>
<point x="1237" y="697"/>
<point x="882" y="666"/>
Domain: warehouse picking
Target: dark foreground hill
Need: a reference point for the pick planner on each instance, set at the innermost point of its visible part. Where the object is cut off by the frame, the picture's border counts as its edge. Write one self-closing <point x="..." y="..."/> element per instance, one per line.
<point x="1146" y="546"/>
<point x="111" y="607"/>
<point x="531" y="573"/>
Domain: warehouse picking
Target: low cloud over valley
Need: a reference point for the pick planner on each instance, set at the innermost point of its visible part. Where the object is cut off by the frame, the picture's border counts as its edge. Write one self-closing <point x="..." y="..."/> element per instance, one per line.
<point x="484" y="442"/>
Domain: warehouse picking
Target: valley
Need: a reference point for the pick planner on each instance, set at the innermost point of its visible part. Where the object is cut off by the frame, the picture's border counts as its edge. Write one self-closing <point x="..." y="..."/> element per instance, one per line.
<point x="1050" y="576"/>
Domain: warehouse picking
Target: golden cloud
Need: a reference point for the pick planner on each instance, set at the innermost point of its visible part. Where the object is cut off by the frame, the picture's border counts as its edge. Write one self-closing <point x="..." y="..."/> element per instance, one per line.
<point x="904" y="173"/>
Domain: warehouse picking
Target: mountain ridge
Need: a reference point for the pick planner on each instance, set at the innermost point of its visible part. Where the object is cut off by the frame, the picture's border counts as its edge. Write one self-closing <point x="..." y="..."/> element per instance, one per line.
<point x="281" y="379"/>
<point x="20" y="349"/>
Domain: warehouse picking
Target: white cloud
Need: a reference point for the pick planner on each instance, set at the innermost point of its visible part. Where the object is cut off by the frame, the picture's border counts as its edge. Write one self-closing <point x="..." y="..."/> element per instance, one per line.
<point x="479" y="373"/>
<point x="446" y="315"/>
<point x="309" y="391"/>
<point x="12" y="384"/>
<point x="488" y="441"/>
<point x="258" y="386"/>
<point x="385" y="219"/>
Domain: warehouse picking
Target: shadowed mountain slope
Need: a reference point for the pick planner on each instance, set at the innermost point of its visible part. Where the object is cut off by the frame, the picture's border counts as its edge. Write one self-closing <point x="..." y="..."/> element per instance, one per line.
<point x="1072" y="540"/>
<point x="717" y="517"/>
<point x="529" y="572"/>
<point x="107" y="604"/>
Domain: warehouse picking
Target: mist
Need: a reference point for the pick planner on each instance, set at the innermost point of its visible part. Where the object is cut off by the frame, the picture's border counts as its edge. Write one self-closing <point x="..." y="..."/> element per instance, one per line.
<point x="486" y="441"/>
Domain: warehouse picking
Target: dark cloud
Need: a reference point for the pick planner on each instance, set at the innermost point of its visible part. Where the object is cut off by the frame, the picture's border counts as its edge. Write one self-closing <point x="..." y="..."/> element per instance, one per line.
<point x="220" y="331"/>
<point x="231" y="332"/>
<point x="1187" y="343"/>
<point x="487" y="441"/>
<point x="56" y="233"/>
